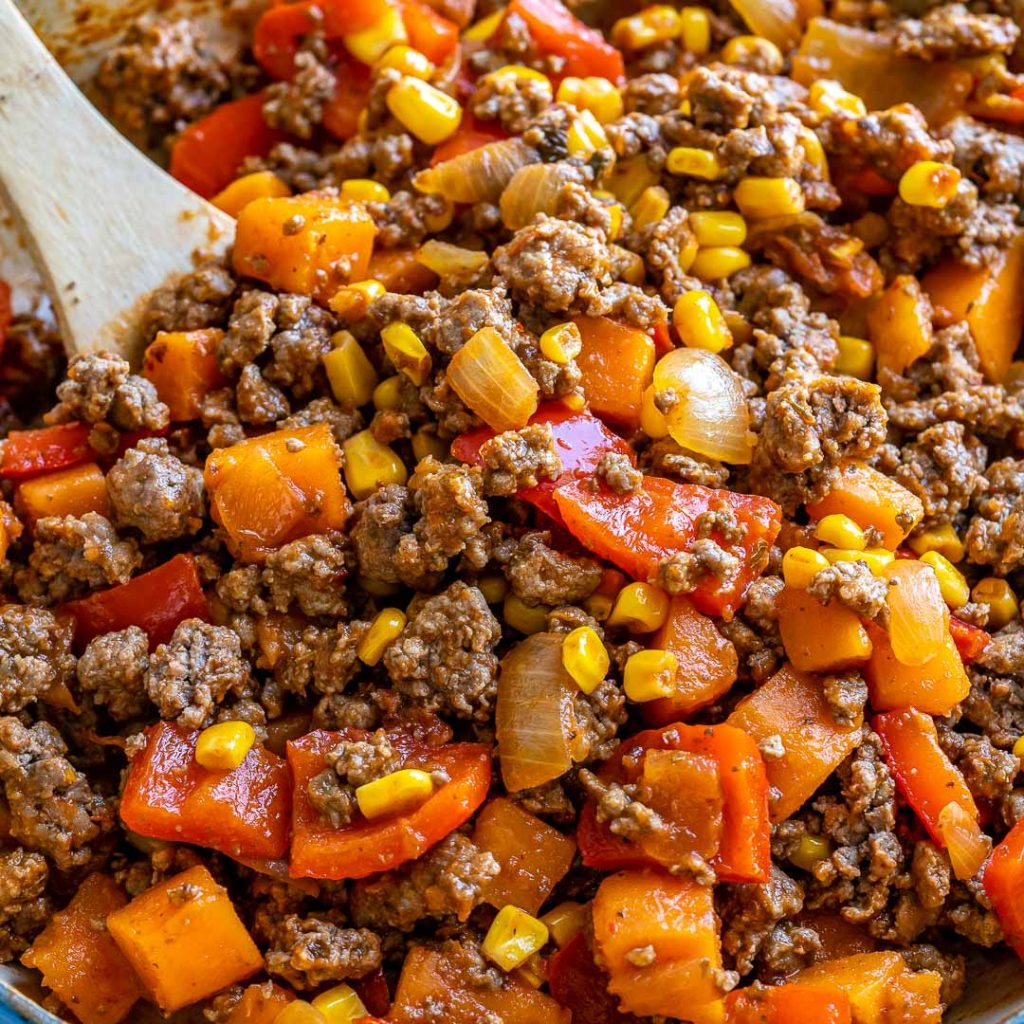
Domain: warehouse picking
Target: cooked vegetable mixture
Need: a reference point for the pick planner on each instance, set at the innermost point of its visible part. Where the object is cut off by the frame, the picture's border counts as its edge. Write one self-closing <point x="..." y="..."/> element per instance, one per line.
<point x="562" y="566"/>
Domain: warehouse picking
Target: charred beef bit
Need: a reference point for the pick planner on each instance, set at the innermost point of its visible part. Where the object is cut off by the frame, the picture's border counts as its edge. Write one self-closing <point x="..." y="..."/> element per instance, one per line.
<point x="539" y="574"/>
<point x="200" y="299"/>
<point x="351" y="764"/>
<point x="70" y="556"/>
<point x="996" y="534"/>
<point x="951" y="32"/>
<point x="618" y="473"/>
<point x="309" y="572"/>
<point x="519" y="458"/>
<point x="307" y="952"/>
<point x="154" y="492"/>
<point x="189" y="676"/>
<point x="53" y="809"/>
<point x="992" y="159"/>
<point x="444" y="658"/>
<point x="297" y="106"/>
<point x="258" y="401"/>
<point x="446" y="882"/>
<point x="112" y="671"/>
<point x="24" y="906"/>
<point x="100" y="388"/>
<point x="852" y="584"/>
<point x="378" y="523"/>
<point x="512" y="100"/>
<point x="35" y="655"/>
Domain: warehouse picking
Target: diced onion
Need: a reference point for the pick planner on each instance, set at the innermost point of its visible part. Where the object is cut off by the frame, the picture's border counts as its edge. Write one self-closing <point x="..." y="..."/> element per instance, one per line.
<point x="532" y="190"/>
<point x="777" y="20"/>
<point x="966" y="844"/>
<point x="711" y="415"/>
<point x="449" y="260"/>
<point x="918" y="616"/>
<point x="479" y="176"/>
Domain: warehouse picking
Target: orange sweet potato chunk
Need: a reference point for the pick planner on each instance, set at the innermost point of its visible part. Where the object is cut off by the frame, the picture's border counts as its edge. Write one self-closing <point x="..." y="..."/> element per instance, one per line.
<point x="821" y="638"/>
<point x="182" y="366"/>
<point x="260" y="1004"/>
<point x="617" y="364"/>
<point x="900" y="324"/>
<point x="66" y="492"/>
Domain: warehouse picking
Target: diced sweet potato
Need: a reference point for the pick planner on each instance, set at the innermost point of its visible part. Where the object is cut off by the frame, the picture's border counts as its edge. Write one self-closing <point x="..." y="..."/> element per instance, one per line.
<point x="617" y="362"/>
<point x="184" y="939"/>
<point x="182" y="366"/>
<point x="788" y="1004"/>
<point x="900" y="324"/>
<point x="400" y="271"/>
<point x="250" y="187"/>
<point x="821" y="638"/>
<point x="260" y="1004"/>
<point x="66" y="492"/>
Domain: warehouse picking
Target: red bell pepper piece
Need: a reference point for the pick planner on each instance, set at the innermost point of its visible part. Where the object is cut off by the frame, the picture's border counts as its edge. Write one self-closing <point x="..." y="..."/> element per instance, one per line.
<point x="744" y="854"/>
<point x="207" y="154"/>
<point x="351" y="94"/>
<point x="28" y="453"/>
<point x="580" y="985"/>
<point x="639" y="530"/>
<point x="555" y="31"/>
<point x="783" y="1004"/>
<point x="471" y="134"/>
<point x="1004" y="884"/>
<point x="970" y="640"/>
<point x="434" y="35"/>
<point x="366" y="847"/>
<point x="169" y="795"/>
<point x="157" y="601"/>
<point x="373" y="991"/>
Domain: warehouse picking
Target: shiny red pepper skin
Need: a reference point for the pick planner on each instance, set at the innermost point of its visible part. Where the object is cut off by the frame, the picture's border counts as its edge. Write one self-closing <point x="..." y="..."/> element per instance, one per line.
<point x="556" y="31"/>
<point x="29" y="453"/>
<point x="970" y="641"/>
<point x="580" y="985"/>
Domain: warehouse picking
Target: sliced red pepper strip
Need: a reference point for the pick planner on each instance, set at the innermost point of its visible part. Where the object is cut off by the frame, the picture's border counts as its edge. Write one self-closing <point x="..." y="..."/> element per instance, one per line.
<point x="351" y="93"/>
<point x="639" y="530"/>
<point x="29" y="453"/>
<point x="156" y="602"/>
<point x="970" y="640"/>
<point x="580" y="985"/>
<point x="1004" y="884"/>
<point x="373" y="991"/>
<point x="367" y="847"/>
<point x="169" y="795"/>
<point x="555" y="31"/>
<point x="278" y="34"/>
<point x="434" y="35"/>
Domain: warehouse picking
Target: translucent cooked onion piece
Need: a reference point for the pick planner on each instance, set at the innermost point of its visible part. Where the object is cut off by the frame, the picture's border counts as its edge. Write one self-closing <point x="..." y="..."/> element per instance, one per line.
<point x="447" y="260"/>
<point x="711" y="415"/>
<point x="918" y="616"/>
<point x="966" y="844"/>
<point x="533" y="189"/>
<point x="479" y="176"/>
<point x="536" y="727"/>
<point x="777" y="20"/>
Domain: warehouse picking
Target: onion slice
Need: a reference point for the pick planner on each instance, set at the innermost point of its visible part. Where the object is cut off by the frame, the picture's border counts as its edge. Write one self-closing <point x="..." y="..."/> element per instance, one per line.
<point x="533" y="189"/>
<point x="918" y="616"/>
<point x="479" y="176"/>
<point x="967" y="846"/>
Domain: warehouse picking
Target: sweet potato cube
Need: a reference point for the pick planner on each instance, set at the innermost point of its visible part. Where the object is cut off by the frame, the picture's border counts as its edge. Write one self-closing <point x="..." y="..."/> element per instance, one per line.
<point x="66" y="492"/>
<point x="80" y="962"/>
<point x="617" y="363"/>
<point x="400" y="271"/>
<point x="821" y="638"/>
<point x="900" y="324"/>
<point x="260" y="1004"/>
<point x="184" y="939"/>
<point x="182" y="366"/>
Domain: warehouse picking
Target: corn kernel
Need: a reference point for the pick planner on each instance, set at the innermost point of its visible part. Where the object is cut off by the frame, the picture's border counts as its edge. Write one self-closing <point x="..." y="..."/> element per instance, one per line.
<point x="718" y="227"/>
<point x="370" y="44"/>
<point x="426" y="444"/>
<point x="955" y="591"/>
<point x="745" y="49"/>
<point x="585" y="658"/>
<point x="615" y="213"/>
<point x="431" y="115"/>
<point x="483" y="29"/>
<point x="840" y="532"/>
<point x="242" y="191"/>
<point x="407" y="61"/>
<point x="685" y="107"/>
<point x="598" y="95"/>
<point x="534" y="970"/>
<point x="349" y="371"/>
<point x="396" y="793"/>
<point x="943" y="539"/>
<point x="494" y="588"/>
<point x="715" y="262"/>
<point x="758" y="198"/>
<point x="1000" y="598"/>
<point x="525" y="618"/>
<point x="386" y="627"/>
<point x="810" y="851"/>
<point x="561" y="343"/>
<point x="409" y="355"/>
<point x="640" y="608"/>
<point x="585" y="136"/>
<point x="695" y="30"/>
<point x="693" y="163"/>
<point x="629" y="178"/>
<point x="652" y="419"/>
<point x="599" y="605"/>
<point x="800" y="565"/>
<point x="575" y="401"/>
<point x="378" y="588"/>
<point x="649" y="675"/>
<point x="565" y="922"/>
<point x="827" y="96"/>
<point x="739" y="326"/>
<point x="856" y="357"/>
<point x="516" y="72"/>
<point x="298" y="1011"/>
<point x="364" y="190"/>
<point x="439" y="219"/>
<point x="351" y="301"/>
<point x="699" y="322"/>
<point x="446" y="259"/>
<point x="1018" y="747"/>
<point x="514" y="936"/>
<point x="651" y="25"/>
<point x="223" y="747"/>
<point x="388" y="393"/>
<point x="651" y="207"/>
<point x="814" y="152"/>
<point x="370" y="465"/>
<point x="876" y="559"/>
<point x="340" y="1005"/>
<point x="929" y="183"/>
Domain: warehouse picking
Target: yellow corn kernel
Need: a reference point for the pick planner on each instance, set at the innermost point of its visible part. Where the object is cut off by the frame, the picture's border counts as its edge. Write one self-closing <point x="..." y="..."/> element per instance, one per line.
<point x="876" y="559"/>
<point x="441" y="218"/>
<point x="695" y="30"/>
<point x="514" y="936"/>
<point x="534" y="970"/>
<point x="598" y="95"/>
<point x="629" y="178"/>
<point x="222" y="747"/>
<point x="494" y="588"/>
<point x="409" y="355"/>
<point x="715" y="262"/>
<point x="482" y="30"/>
<point x="242" y="191"/>
<point x="340" y="1005"/>
<point x="955" y="591"/>
<point x="640" y="608"/>
<point x="743" y="49"/>
<point x="349" y="372"/>
<point x="718" y="227"/>
<point x="814" y="152"/>
<point x="856" y="357"/>
<point x="370" y="465"/>
<point x="426" y="443"/>
<point x="758" y="198"/>
<point x="351" y="301"/>
<point x="585" y="658"/>
<point x="408" y="61"/>
<point x="652" y="419"/>
<point x="585" y="136"/>
<point x="827" y="96"/>
<point x="840" y="532"/>
<point x="561" y="343"/>
<point x="378" y="588"/>
<point x="599" y="605"/>
<point x="364" y="190"/>
<point x="298" y="1011"/>
<point x="649" y="675"/>
<point x="388" y="393"/>
<point x="800" y="565"/>
<point x="943" y="539"/>
<point x="370" y="44"/>
<point x="810" y="851"/>
<point x="699" y="322"/>
<point x="431" y="115"/>
<point x="575" y="401"/>
<point x="528" y="619"/>
<point x="396" y="793"/>
<point x="693" y="163"/>
<point x="929" y="183"/>
<point x="1018" y="747"/>
<point x="513" y="72"/>
<point x="615" y="212"/>
<point x="651" y="207"/>
<point x="565" y="922"/>
<point x="446" y="259"/>
<point x="651" y="25"/>
<point x="1000" y="598"/>
<point x="386" y="627"/>
<point x="685" y="107"/>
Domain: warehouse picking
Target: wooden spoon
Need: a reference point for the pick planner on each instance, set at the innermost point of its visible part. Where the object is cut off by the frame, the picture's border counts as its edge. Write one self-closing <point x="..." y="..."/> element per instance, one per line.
<point x="106" y="225"/>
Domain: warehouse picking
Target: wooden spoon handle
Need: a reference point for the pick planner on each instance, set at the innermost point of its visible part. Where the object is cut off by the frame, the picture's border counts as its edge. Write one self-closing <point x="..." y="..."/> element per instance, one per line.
<point x="106" y="225"/>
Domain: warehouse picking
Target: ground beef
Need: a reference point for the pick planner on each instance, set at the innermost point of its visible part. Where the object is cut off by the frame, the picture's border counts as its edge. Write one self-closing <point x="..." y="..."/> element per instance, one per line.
<point x="445" y="658"/>
<point x="378" y="523"/>
<point x="351" y="764"/>
<point x="540" y="574"/>
<point x="619" y="473"/>
<point x="24" y="906"/>
<point x="951" y="967"/>
<point x="52" y="806"/>
<point x="446" y="882"/>
<point x="71" y="555"/>
<point x="324" y="658"/>
<point x="995" y="705"/>
<point x="257" y="400"/>
<point x="200" y="299"/>
<point x="852" y="584"/>
<point x="308" y="952"/>
<point x="343" y="422"/>
<point x="723" y="97"/>
<point x="988" y="771"/>
<point x="154" y="492"/>
<point x="951" y="32"/>
<point x="297" y="105"/>
<point x="191" y="674"/>
<point x="35" y="655"/>
<point x="599" y="717"/>
<point x="685" y="571"/>
<point x="310" y="573"/>
<point x="112" y="671"/>
<point x="996" y="534"/>
<point x="666" y="458"/>
<point x="519" y="458"/>
<point x="992" y="159"/>
<point x="651" y="94"/>
<point x="512" y="100"/>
